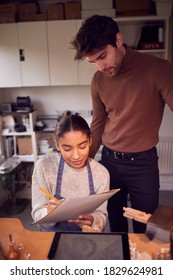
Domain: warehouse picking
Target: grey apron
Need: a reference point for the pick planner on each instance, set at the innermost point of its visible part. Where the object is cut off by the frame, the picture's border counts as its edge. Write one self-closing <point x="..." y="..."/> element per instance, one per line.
<point x="68" y="226"/>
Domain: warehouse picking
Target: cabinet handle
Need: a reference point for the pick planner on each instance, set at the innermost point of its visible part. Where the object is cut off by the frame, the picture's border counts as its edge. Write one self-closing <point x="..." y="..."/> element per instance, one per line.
<point x="22" y="54"/>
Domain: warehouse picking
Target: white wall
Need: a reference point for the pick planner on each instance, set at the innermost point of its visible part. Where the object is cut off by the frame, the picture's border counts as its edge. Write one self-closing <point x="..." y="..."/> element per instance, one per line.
<point x="166" y="128"/>
<point x="49" y="100"/>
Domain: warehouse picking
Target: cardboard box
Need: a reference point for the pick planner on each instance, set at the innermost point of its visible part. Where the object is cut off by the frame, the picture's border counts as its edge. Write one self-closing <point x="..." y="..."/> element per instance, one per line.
<point x="55" y="11"/>
<point x="160" y="224"/>
<point x="26" y="17"/>
<point x="8" y="13"/>
<point x="72" y="10"/>
<point x="24" y="145"/>
<point x="43" y="4"/>
<point x="28" y="8"/>
<point x="164" y="8"/>
<point x="8" y="8"/>
<point x="96" y="4"/>
<point x="7" y="17"/>
<point x="40" y="17"/>
<point x="27" y="11"/>
<point x="132" y="7"/>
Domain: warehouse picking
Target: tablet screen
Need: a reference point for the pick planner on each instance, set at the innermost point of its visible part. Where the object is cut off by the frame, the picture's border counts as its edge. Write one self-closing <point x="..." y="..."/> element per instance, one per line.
<point x="89" y="246"/>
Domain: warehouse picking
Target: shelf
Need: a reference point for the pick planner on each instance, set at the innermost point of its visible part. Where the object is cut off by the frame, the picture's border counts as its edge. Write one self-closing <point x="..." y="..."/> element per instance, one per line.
<point x="132" y="28"/>
<point x="26" y="158"/>
<point x="141" y="18"/>
<point x="17" y="113"/>
<point x="152" y="51"/>
<point x="13" y="133"/>
<point x="10" y="144"/>
<point x="45" y="131"/>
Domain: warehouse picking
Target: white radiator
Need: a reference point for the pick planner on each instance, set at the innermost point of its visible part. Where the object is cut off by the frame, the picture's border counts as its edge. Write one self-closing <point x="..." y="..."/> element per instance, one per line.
<point x="165" y="153"/>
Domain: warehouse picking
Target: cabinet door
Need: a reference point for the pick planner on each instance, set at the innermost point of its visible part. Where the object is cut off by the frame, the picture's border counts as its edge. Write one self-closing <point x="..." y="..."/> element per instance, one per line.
<point x="10" y="75"/>
<point x="34" y="53"/>
<point x="63" y="67"/>
<point x="86" y="70"/>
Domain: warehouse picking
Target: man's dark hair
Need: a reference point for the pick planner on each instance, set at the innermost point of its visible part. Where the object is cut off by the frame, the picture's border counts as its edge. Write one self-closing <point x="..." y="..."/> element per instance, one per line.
<point x="95" y="33"/>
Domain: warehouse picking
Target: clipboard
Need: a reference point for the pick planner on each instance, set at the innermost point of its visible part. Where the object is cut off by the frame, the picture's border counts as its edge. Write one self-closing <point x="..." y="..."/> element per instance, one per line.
<point x="71" y="208"/>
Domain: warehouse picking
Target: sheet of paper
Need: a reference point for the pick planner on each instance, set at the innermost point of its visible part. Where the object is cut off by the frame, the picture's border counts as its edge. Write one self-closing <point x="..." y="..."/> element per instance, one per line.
<point x="71" y="208"/>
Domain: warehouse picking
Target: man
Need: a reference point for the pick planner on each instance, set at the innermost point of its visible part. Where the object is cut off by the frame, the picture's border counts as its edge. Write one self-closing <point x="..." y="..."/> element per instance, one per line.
<point x="129" y="92"/>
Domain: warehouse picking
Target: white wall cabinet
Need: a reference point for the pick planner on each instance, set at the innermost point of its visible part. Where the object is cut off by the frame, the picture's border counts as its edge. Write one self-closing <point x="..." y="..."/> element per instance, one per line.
<point x="63" y="68"/>
<point x="10" y="73"/>
<point x="85" y="70"/>
<point x="33" y="53"/>
<point x="47" y="57"/>
<point x="24" y="55"/>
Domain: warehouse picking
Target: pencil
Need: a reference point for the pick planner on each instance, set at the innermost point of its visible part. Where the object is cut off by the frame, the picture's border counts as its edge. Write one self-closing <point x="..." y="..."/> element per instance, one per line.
<point x="47" y="193"/>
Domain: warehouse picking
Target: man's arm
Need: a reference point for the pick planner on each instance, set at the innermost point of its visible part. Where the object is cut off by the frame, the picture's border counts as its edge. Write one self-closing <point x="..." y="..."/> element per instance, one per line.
<point x="98" y="120"/>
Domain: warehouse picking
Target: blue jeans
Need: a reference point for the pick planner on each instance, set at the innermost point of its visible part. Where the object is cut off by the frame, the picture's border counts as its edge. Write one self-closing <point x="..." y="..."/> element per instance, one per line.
<point x="138" y="179"/>
<point x="62" y="226"/>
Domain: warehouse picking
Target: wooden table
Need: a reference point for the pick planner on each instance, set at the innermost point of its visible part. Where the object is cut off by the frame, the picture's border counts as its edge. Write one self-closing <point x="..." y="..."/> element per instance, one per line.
<point x="38" y="243"/>
<point x="35" y="242"/>
<point x="144" y="245"/>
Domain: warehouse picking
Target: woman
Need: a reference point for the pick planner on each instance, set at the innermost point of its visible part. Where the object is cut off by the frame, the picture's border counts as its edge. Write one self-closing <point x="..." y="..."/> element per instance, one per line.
<point x="70" y="173"/>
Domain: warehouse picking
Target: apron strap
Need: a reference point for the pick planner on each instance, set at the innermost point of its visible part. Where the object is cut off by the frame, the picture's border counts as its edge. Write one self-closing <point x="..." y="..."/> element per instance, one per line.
<point x="59" y="179"/>
<point x="90" y="179"/>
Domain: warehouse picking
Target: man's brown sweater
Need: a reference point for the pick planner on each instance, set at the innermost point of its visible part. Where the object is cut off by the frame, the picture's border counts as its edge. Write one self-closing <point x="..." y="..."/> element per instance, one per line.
<point x="128" y="108"/>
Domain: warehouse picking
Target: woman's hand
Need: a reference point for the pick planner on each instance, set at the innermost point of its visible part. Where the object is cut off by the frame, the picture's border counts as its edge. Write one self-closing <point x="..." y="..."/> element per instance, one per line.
<point x="83" y="220"/>
<point x="52" y="203"/>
